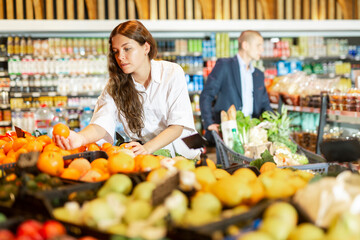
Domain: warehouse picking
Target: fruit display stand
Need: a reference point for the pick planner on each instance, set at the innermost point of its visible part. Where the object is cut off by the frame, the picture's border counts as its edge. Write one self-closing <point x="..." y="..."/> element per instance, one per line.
<point x="42" y="204"/>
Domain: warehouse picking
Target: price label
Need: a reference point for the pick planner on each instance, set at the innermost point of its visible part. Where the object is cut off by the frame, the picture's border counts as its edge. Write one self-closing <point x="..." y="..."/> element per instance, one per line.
<point x="17" y="95"/>
<point x="19" y="132"/>
<point x="52" y="94"/>
<point x="162" y="191"/>
<point x="27" y="162"/>
<point x="35" y="94"/>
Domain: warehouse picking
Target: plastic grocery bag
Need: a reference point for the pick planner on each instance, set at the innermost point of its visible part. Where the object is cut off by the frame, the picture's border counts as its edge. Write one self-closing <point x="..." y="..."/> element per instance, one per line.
<point x="226" y="129"/>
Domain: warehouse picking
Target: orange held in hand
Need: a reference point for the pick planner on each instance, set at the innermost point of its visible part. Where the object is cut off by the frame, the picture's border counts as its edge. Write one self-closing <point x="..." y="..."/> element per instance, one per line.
<point x="61" y="130"/>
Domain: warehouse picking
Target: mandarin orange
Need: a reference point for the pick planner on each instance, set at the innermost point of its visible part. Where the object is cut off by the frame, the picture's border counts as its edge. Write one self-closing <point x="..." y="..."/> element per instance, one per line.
<point x="100" y="163"/>
<point x="51" y="163"/>
<point x="71" y="173"/>
<point x="61" y="130"/>
<point x="121" y="162"/>
<point x="149" y="162"/>
<point x="18" y="143"/>
<point x="105" y="146"/>
<point x="34" y="146"/>
<point x="93" y="147"/>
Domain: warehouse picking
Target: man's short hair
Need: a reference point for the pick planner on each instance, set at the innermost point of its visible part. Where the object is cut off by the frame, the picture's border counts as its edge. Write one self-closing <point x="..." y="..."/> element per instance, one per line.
<point x="247" y="36"/>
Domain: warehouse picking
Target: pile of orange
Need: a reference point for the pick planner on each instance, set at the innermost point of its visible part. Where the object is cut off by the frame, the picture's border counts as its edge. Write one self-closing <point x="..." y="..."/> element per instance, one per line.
<point x="11" y="147"/>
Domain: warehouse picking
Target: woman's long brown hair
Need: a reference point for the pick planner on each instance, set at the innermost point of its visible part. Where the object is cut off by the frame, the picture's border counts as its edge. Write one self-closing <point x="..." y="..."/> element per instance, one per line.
<point x="121" y="86"/>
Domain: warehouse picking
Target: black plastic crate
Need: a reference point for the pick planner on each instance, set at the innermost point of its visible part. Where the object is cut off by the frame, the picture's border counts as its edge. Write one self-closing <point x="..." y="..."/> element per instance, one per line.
<point x="328" y="169"/>
<point x="235" y="167"/>
<point x="208" y="231"/>
<point x="42" y="203"/>
<point x="6" y="168"/>
<point x="91" y="155"/>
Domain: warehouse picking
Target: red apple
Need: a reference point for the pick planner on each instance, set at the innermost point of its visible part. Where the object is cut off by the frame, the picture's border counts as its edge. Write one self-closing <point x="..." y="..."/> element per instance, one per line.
<point x="30" y="228"/>
<point x="51" y="229"/>
<point x="6" y="235"/>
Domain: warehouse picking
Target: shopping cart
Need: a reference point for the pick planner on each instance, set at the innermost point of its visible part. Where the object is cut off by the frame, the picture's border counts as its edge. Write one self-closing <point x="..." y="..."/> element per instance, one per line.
<point x="226" y="155"/>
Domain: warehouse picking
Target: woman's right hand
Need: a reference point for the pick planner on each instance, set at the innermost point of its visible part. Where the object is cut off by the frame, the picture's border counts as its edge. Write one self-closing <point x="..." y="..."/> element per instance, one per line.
<point x="74" y="140"/>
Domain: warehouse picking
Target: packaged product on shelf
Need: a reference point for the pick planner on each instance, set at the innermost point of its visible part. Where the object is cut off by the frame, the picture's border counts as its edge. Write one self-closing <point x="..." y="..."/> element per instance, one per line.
<point x="10" y="46"/>
<point x="85" y="117"/>
<point x="60" y="116"/>
<point x="29" y="46"/>
<point x="16" y="45"/>
<point x="22" y="46"/>
<point x="69" y="46"/>
<point x="43" y="118"/>
<point x="74" y="120"/>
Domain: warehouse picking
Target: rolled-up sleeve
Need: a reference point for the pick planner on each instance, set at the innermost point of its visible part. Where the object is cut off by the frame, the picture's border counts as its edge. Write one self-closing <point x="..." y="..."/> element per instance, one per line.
<point x="105" y="115"/>
<point x="180" y="111"/>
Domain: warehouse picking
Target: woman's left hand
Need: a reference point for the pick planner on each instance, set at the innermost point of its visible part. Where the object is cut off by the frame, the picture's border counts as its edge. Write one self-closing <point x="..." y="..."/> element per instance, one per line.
<point x="137" y="148"/>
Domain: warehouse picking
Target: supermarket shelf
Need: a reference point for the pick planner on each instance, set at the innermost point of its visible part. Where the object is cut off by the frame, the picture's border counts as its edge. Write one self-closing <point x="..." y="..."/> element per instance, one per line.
<point x="332" y="115"/>
<point x="187" y="28"/>
<point x="343" y="117"/>
<point x="53" y="94"/>
<point x="5" y="123"/>
<point x="83" y="94"/>
<point x="190" y="54"/>
<point x="297" y="108"/>
<point x="313" y="58"/>
<point x="33" y="109"/>
<point x="4" y="106"/>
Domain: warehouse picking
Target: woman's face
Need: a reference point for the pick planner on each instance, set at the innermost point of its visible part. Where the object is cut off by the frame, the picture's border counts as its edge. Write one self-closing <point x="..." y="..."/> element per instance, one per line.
<point x="128" y="53"/>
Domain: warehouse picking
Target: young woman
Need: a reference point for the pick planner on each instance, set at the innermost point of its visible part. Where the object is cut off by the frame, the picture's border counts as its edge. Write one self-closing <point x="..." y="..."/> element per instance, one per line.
<point x="148" y="97"/>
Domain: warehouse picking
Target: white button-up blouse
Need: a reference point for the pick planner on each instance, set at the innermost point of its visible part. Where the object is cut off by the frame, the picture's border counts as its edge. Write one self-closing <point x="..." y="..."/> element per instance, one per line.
<point x="165" y="102"/>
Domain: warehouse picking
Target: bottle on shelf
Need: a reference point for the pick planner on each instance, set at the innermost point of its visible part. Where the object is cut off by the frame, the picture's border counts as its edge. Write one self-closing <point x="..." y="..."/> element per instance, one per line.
<point x="85" y="117"/>
<point x="43" y="118"/>
<point x="61" y="115"/>
<point x="237" y="145"/>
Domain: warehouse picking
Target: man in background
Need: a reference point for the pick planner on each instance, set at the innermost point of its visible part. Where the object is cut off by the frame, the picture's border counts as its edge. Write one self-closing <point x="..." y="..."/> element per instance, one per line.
<point x="235" y="81"/>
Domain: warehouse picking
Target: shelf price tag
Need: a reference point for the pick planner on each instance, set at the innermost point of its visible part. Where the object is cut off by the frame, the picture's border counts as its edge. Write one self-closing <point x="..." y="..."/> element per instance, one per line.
<point x="27" y="163"/>
<point x="162" y="191"/>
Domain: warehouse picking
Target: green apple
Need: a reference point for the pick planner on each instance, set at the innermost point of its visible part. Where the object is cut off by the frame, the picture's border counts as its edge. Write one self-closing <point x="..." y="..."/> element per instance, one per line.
<point x="307" y="231"/>
<point x="255" y="236"/>
<point x="143" y="191"/>
<point x="277" y="228"/>
<point x="116" y="183"/>
<point x="206" y="202"/>
<point x="197" y="217"/>
<point x="284" y="211"/>
<point x="137" y="210"/>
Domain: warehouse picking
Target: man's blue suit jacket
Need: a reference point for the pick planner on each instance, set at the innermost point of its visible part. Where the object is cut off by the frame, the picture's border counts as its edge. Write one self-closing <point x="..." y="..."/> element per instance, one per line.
<point x="224" y="86"/>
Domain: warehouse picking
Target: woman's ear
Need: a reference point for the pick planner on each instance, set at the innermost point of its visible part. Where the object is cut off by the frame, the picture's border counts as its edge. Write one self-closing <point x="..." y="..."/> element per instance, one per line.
<point x="147" y="48"/>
